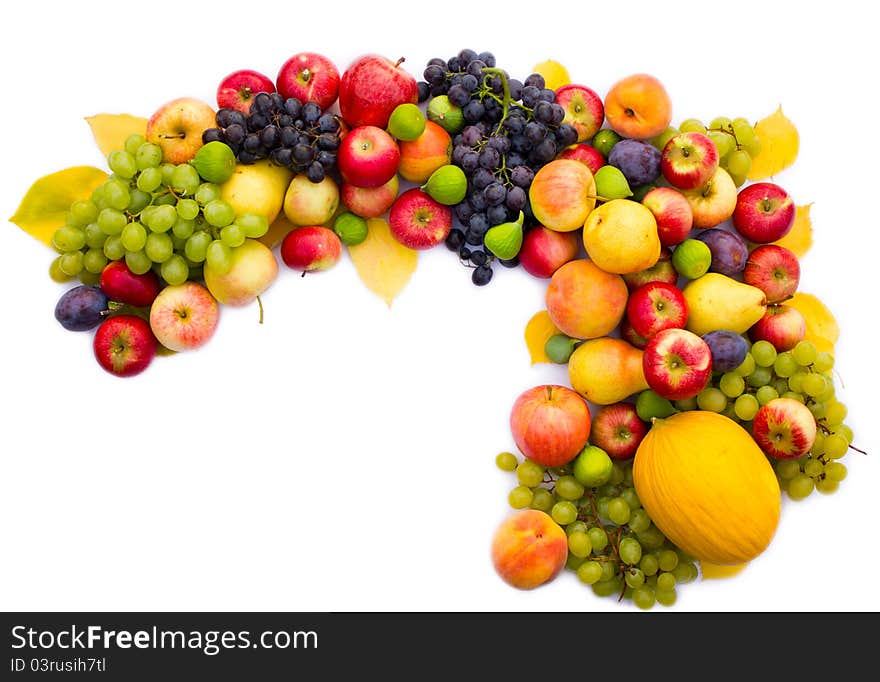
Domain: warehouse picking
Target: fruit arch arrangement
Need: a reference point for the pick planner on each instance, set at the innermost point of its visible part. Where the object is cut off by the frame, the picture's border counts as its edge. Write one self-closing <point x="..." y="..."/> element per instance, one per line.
<point x="701" y="383"/>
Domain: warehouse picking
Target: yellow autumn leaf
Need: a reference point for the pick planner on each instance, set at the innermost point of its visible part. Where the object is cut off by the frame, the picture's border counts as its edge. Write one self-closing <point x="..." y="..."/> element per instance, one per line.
<point x="555" y="74"/>
<point x="383" y="263"/>
<point x="538" y="330"/>
<point x="44" y="207"/>
<point x="800" y="237"/>
<point x="779" y="145"/>
<point x="821" y="327"/>
<point x="277" y="231"/>
<point x="110" y="130"/>
<point x="715" y="571"/>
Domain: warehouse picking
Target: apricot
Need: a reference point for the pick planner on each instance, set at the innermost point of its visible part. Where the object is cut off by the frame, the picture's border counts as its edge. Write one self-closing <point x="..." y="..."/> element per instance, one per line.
<point x="584" y="301"/>
<point x="422" y="156"/>
<point x="562" y="194"/>
<point x="638" y="107"/>
<point x="529" y="549"/>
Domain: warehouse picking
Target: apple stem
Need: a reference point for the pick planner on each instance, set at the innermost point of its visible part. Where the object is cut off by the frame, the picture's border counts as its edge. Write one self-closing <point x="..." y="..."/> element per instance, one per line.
<point x="260" y="303"/>
<point x="399" y="62"/>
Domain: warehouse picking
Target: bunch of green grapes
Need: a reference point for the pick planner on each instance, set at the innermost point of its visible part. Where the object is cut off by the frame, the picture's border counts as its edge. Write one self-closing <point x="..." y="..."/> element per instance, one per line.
<point x="154" y="215"/>
<point x="735" y="139"/>
<point x="612" y="544"/>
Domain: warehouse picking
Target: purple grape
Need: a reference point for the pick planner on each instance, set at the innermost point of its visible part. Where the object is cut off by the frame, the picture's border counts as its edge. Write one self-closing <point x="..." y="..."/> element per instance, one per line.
<point x="728" y="349"/>
<point x="81" y="308"/>
<point x="729" y="251"/>
<point x="638" y="161"/>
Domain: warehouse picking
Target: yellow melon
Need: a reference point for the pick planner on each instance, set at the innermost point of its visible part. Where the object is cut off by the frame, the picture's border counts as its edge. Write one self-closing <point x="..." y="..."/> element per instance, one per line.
<point x="708" y="487"/>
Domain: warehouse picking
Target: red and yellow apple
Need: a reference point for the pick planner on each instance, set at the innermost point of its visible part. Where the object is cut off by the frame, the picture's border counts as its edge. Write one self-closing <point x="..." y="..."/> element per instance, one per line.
<point x="562" y="194"/>
<point x="372" y="87"/>
<point x="417" y="221"/>
<point x="238" y="89"/>
<point x="583" y="109"/>
<point x="550" y="424"/>
<point x="370" y="202"/>
<point x="677" y="364"/>
<point x="177" y="127"/>
<point x="764" y="212"/>
<point x="310" y="77"/>
<point x="774" y="270"/>
<point x="124" y="345"/>
<point x="368" y="157"/>
<point x="688" y="160"/>
<point x="253" y="270"/>
<point x="784" y="428"/>
<point x="781" y="325"/>
<point x="618" y="430"/>
<point x="656" y="306"/>
<point x="673" y="214"/>
<point x="311" y="248"/>
<point x="184" y="316"/>
<point x="714" y="202"/>
<point x="544" y="251"/>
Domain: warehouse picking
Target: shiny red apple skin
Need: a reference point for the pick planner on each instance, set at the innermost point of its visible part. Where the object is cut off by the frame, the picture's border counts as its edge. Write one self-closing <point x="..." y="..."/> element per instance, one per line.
<point x="656" y="306"/>
<point x="550" y="424"/>
<point x="677" y="364"/>
<point x="617" y="429"/>
<point x="238" y="89"/>
<point x="310" y="77"/>
<point x="544" y="251"/>
<point x="775" y="270"/>
<point x="781" y="325"/>
<point x="368" y="157"/>
<point x="372" y="87"/>
<point x="764" y="212"/>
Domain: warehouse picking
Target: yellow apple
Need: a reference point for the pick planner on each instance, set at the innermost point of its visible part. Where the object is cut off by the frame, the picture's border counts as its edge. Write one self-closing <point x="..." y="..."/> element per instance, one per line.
<point x="311" y="203"/>
<point x="177" y="128"/>
<point x="257" y="188"/>
<point x="254" y="268"/>
<point x="714" y="202"/>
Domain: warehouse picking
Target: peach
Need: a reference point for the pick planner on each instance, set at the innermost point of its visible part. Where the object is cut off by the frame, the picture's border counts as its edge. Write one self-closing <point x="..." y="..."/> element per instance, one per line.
<point x="562" y="194"/>
<point x="584" y="301"/>
<point x="529" y="549"/>
<point x="638" y="107"/>
<point x="422" y="156"/>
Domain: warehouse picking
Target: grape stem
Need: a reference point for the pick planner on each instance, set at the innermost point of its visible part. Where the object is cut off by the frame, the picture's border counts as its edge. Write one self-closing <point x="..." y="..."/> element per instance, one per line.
<point x="505" y="100"/>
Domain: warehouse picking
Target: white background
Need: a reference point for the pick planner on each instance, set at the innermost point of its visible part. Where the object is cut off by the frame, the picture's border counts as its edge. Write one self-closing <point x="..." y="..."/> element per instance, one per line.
<point x="340" y="456"/>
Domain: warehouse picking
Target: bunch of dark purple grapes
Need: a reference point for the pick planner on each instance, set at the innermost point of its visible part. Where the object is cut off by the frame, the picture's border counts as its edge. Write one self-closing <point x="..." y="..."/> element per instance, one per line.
<point x="291" y="133"/>
<point x="511" y="129"/>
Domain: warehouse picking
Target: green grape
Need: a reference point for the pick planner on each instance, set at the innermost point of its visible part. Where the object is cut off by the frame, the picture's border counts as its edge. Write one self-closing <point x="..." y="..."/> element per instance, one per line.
<point x="579" y="544"/>
<point x="506" y="461"/>
<point x="564" y="512"/>
<point x="738" y="180"/>
<point x="649" y="564"/>
<point x="138" y="262"/>
<point x="148" y="155"/>
<point x="185" y="179"/>
<point x="122" y="164"/>
<point x="784" y="365"/>
<point x="639" y="520"/>
<point x="730" y="412"/>
<point x="71" y="263"/>
<point x="828" y="393"/>
<point x="56" y="273"/>
<point x="836" y="446"/>
<point x="133" y="143"/>
<point x="800" y="487"/>
<point x="138" y="200"/>
<point x="692" y="125"/>
<point x="183" y="229"/>
<point x="589" y="572"/>
<point x="796" y="381"/>
<point x="178" y="242"/>
<point x="95" y="238"/>
<point x="826" y="486"/>
<point x="159" y="218"/>
<point x="617" y="474"/>
<point x="149" y="180"/>
<point x="598" y="538"/>
<point x="188" y="209"/>
<point x="824" y="361"/>
<point x="94" y="260"/>
<point x="520" y="497"/>
<point x="685" y="572"/>
<point x="818" y="447"/>
<point x="167" y="170"/>
<point x="835" y="471"/>
<point x="134" y="236"/>
<point x="607" y="588"/>
<point x="631" y="497"/>
<point x="117" y="194"/>
<point x="542" y="499"/>
<point x="787" y="469"/>
<point x="813" y="467"/>
<point x="665" y="597"/>
<point x="793" y="396"/>
<point x="835" y="412"/>
<point x="744" y="131"/>
<point x="602" y="506"/>
<point x="818" y="410"/>
<point x="711" y="399"/>
<point x="630" y="551"/>
<point x="650" y="404"/>
<point x="747" y="366"/>
<point x="98" y="197"/>
<point x="846" y="432"/>
<point x="686" y="404"/>
<point x="804" y="353"/>
<point x="232" y="236"/>
<point x="643" y="597"/>
<point x="724" y="143"/>
<point x="739" y="163"/>
<point x="111" y="221"/>
<point x="660" y="140"/>
<point x="731" y="384"/>
<point x="634" y="577"/>
<point x="82" y="212"/>
<point x="760" y="377"/>
<point x="529" y="473"/>
<point x="814" y="384"/>
<point x="159" y="247"/>
<point x="196" y="249"/>
<point x="628" y="476"/>
<point x="218" y="213"/>
<point x="175" y="270"/>
<point x="576" y="526"/>
<point x="568" y="487"/>
<point x="206" y="193"/>
<point x="68" y="238"/>
<point x="572" y="562"/>
<point x="113" y="248"/>
<point x="618" y="511"/>
<point x="764" y="353"/>
<point x="89" y="278"/>
<point x="719" y="123"/>
<point x="609" y="570"/>
<point x="652" y="538"/>
<point x="668" y="560"/>
<point x="253" y="225"/>
<point x="765" y="394"/>
<point x="666" y="581"/>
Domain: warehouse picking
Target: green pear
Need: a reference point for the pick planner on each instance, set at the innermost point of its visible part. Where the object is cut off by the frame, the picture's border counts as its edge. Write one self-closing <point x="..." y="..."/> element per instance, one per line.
<point x="716" y="301"/>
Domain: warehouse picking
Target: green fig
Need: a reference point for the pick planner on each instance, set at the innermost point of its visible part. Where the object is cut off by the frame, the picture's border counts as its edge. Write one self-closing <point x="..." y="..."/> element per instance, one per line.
<point x="611" y="183"/>
<point x="215" y="162"/>
<point x="505" y="240"/>
<point x="445" y="114"/>
<point x="447" y="185"/>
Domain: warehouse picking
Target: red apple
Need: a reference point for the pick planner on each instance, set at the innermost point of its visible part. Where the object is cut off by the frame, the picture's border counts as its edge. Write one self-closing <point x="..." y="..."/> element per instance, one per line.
<point x="370" y="202"/>
<point x="688" y="160"/>
<point x="544" y="251"/>
<point x="583" y="109"/>
<point x="124" y="345"/>
<point x="656" y="306"/>
<point x="784" y="428"/>
<point x="184" y="316"/>
<point x="368" y="157"/>
<point x="618" y="430"/>
<point x="586" y="154"/>
<point x="372" y="87"/>
<point x="311" y="248"/>
<point x="774" y="270"/>
<point x="627" y="333"/>
<point x="714" y="202"/>
<point x="677" y="364"/>
<point x="764" y="212"/>
<point x="122" y="285"/>
<point x="782" y="325"/>
<point x="673" y="214"/>
<point x="237" y="90"/>
<point x="550" y="424"/>
<point x="417" y="221"/>
<point x="309" y="77"/>
<point x="661" y="271"/>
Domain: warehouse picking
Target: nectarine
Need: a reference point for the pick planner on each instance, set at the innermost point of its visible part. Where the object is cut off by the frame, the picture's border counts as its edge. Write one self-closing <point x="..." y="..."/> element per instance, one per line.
<point x="529" y="549"/>
<point x="638" y="107"/>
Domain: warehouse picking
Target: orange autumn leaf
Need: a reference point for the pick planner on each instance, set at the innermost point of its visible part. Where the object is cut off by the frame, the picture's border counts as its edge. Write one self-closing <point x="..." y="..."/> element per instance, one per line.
<point x="383" y="263"/>
<point x="821" y="327"/>
<point x="800" y="237"/>
<point x="277" y="231"/>
<point x="538" y="330"/>
<point x="110" y="130"/>
<point x="780" y="142"/>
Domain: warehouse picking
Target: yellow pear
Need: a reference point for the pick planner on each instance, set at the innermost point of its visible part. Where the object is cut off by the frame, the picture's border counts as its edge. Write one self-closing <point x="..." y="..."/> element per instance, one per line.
<point x="716" y="301"/>
<point x="606" y="370"/>
<point x="257" y="188"/>
<point x="620" y="236"/>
